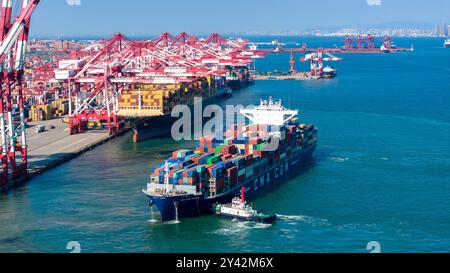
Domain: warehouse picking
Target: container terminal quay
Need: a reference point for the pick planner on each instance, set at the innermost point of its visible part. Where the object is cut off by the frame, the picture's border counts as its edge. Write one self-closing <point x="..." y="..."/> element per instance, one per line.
<point x="61" y="98"/>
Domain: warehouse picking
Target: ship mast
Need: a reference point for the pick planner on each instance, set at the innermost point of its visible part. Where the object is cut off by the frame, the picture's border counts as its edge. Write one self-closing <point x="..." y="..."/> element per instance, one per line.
<point x="269" y="113"/>
<point x="166" y="176"/>
<point x="243" y="195"/>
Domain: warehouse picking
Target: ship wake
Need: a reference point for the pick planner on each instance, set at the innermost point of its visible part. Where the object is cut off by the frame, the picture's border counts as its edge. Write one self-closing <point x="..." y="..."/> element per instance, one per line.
<point x="239" y="226"/>
<point x="292" y="219"/>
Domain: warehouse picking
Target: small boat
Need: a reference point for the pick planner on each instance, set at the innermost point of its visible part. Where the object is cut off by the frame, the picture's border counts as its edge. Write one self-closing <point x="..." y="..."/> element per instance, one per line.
<point x="329" y="72"/>
<point x="447" y="43"/>
<point x="239" y="209"/>
<point x="385" y="49"/>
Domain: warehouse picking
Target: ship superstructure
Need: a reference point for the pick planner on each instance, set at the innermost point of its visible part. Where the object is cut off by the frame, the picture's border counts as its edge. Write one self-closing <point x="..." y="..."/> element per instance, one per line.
<point x="241" y="210"/>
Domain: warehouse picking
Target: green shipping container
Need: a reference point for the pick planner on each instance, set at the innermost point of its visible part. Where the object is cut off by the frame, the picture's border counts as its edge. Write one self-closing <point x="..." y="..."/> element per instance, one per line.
<point x="261" y="146"/>
<point x="213" y="159"/>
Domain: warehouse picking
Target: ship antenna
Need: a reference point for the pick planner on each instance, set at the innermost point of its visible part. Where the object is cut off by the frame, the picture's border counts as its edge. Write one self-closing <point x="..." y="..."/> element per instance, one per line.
<point x="166" y="176"/>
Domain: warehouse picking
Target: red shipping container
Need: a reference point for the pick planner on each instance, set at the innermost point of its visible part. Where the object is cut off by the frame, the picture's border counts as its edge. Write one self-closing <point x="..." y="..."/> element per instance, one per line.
<point x="254" y="141"/>
<point x="232" y="173"/>
<point x="231" y="133"/>
<point x="195" y="159"/>
<point x="209" y="170"/>
<point x="288" y="138"/>
<point x="228" y="150"/>
<point x="192" y="181"/>
<point x="226" y="157"/>
<point x="261" y="154"/>
<point x="219" y="184"/>
<point x="241" y="178"/>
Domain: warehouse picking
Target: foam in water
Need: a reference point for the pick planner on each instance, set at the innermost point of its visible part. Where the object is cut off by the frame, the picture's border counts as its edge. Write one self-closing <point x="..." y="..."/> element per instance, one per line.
<point x="339" y="159"/>
<point x="238" y="226"/>
<point x="174" y="222"/>
<point x="291" y="219"/>
<point x="152" y="213"/>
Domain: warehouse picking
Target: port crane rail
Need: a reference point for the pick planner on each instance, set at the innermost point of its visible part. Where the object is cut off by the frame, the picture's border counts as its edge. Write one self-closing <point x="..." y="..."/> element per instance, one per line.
<point x="13" y="38"/>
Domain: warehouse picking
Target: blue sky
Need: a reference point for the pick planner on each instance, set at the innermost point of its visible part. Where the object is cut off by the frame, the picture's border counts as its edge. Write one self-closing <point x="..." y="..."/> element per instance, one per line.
<point x="146" y="17"/>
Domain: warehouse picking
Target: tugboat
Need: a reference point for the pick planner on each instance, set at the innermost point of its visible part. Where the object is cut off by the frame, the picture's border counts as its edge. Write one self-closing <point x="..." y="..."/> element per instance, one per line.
<point x="385" y="49"/>
<point x="447" y="43"/>
<point x="239" y="209"/>
<point x="329" y="72"/>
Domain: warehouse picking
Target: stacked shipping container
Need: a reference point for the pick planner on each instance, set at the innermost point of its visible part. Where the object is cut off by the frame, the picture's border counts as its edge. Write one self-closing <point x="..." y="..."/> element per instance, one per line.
<point x="163" y="97"/>
<point x="218" y="165"/>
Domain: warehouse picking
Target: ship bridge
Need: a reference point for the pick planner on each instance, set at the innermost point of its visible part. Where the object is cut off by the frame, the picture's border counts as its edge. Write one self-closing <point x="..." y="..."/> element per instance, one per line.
<point x="269" y="113"/>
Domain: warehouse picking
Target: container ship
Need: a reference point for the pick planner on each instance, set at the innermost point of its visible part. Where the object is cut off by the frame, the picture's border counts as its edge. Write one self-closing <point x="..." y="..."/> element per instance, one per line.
<point x="256" y="157"/>
<point x="238" y="78"/>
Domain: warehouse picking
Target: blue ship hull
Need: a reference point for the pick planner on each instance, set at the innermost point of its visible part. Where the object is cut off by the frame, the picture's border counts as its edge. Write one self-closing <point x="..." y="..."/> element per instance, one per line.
<point x="239" y="84"/>
<point x="194" y="205"/>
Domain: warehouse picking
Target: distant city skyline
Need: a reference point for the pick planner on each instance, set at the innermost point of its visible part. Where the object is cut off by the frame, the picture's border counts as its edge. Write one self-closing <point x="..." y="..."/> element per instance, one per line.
<point x="97" y="18"/>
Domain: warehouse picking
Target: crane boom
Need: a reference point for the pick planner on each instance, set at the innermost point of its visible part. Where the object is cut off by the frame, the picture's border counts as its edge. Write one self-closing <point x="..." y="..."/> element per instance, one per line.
<point x="17" y="28"/>
<point x="13" y="43"/>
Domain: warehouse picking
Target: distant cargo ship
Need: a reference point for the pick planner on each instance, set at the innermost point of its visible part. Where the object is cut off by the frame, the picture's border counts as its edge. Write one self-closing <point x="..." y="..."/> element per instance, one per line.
<point x="190" y="182"/>
<point x="329" y="72"/>
<point x="160" y="124"/>
<point x="239" y="78"/>
<point x="156" y="126"/>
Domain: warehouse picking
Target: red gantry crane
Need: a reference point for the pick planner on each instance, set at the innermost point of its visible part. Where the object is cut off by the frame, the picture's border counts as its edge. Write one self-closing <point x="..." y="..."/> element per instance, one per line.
<point x="97" y="74"/>
<point x="14" y="37"/>
<point x="316" y="59"/>
<point x="94" y="77"/>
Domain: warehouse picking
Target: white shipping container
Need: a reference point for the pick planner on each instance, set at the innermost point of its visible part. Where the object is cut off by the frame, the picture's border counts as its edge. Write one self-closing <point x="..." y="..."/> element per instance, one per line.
<point x="64" y="74"/>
